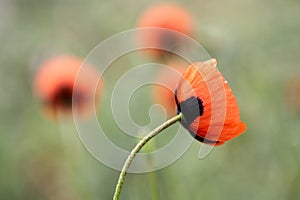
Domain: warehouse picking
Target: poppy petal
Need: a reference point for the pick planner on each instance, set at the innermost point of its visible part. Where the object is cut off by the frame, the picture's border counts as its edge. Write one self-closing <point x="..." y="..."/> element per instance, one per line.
<point x="220" y="120"/>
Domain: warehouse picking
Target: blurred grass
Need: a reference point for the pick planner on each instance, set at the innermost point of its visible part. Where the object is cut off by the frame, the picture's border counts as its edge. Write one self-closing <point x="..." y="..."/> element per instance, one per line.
<point x="257" y="45"/>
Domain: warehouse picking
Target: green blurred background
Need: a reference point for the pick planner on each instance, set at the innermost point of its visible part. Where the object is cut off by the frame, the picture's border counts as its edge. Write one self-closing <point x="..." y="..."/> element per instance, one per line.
<point x="257" y="45"/>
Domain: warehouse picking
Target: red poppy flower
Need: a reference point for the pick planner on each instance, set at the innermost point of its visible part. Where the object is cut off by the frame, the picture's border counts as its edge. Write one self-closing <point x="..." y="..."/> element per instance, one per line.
<point x="54" y="84"/>
<point x="210" y="110"/>
<point x="168" y="78"/>
<point x="167" y="16"/>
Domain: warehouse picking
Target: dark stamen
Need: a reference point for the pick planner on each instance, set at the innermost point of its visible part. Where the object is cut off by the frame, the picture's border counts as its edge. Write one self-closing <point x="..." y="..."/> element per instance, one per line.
<point x="169" y="41"/>
<point x="191" y="108"/>
<point x="63" y="97"/>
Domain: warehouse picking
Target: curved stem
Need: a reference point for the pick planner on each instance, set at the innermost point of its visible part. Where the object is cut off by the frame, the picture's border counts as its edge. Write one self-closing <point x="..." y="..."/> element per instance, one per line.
<point x="137" y="148"/>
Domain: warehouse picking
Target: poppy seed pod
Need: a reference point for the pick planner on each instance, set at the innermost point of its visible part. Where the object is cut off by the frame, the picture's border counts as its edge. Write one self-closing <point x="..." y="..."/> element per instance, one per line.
<point x="54" y="86"/>
<point x="210" y="110"/>
<point x="168" y="17"/>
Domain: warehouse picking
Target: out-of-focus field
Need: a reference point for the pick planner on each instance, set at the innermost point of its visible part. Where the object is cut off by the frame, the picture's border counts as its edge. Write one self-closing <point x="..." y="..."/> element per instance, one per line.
<point x="257" y="45"/>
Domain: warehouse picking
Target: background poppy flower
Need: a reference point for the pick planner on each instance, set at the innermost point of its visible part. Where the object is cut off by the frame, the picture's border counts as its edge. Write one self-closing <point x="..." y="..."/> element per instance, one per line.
<point x="54" y="84"/>
<point x="168" y="78"/>
<point x="292" y="93"/>
<point x="200" y="85"/>
<point x="167" y="16"/>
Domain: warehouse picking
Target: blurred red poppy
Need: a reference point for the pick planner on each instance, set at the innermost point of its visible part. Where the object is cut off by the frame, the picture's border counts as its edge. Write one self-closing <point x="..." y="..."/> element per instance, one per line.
<point x="168" y="16"/>
<point x="201" y="82"/>
<point x="168" y="79"/>
<point x="292" y="93"/>
<point x="54" y="86"/>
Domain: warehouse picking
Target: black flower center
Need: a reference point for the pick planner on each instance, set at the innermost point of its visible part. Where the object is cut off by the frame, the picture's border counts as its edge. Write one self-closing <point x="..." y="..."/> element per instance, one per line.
<point x="190" y="108"/>
<point x="63" y="97"/>
<point x="169" y="41"/>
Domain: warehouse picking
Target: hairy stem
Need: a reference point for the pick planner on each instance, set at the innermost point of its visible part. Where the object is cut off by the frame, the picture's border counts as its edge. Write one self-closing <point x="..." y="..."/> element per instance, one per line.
<point x="137" y="148"/>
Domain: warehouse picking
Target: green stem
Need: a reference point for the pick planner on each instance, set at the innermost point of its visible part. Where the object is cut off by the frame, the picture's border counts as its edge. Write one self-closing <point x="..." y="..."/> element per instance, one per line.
<point x="152" y="175"/>
<point x="153" y="184"/>
<point x="137" y="148"/>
